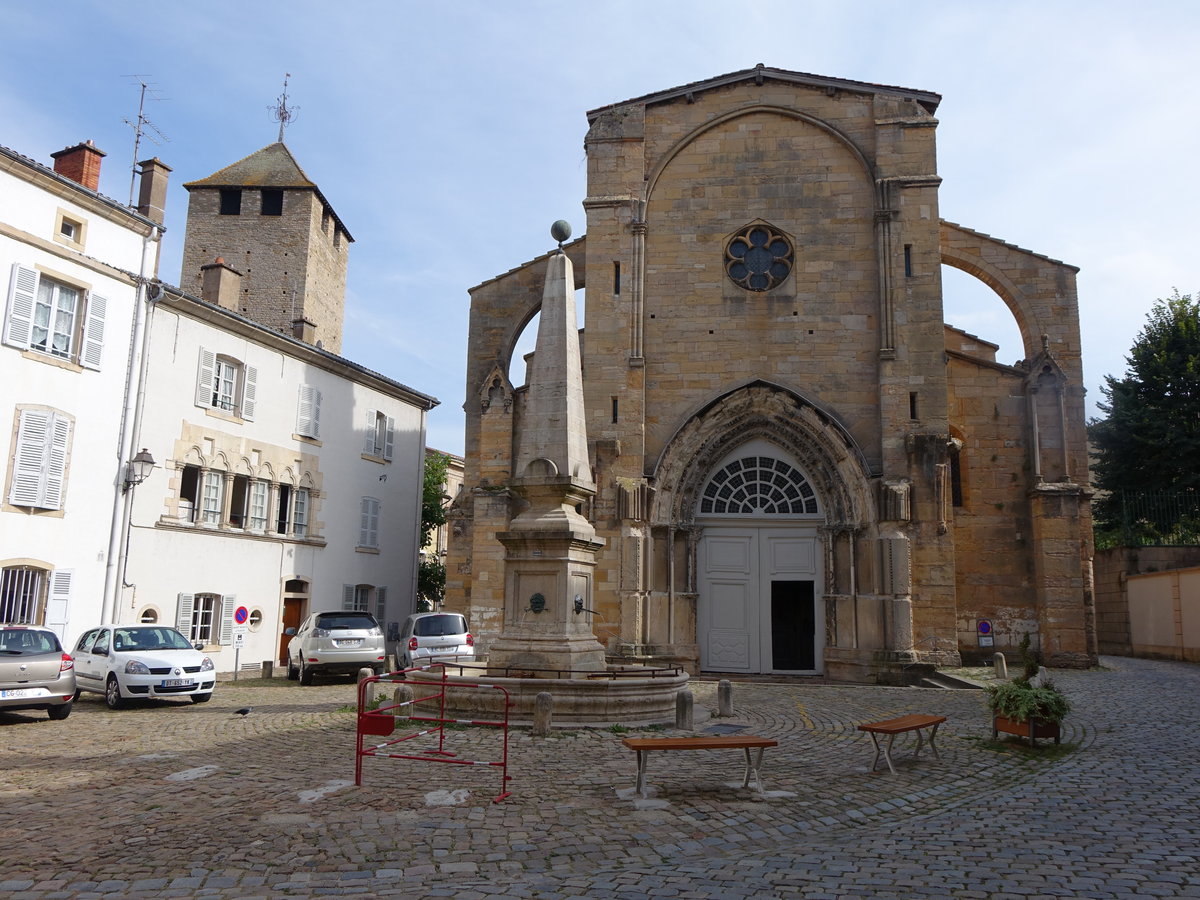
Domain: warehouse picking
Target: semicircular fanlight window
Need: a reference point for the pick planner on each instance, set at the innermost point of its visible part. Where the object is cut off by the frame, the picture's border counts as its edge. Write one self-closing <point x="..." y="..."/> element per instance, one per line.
<point x="758" y="486"/>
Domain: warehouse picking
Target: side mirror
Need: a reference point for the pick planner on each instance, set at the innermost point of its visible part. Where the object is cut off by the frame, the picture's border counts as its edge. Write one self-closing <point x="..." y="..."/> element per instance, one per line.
<point x="199" y="645"/>
<point x="289" y="631"/>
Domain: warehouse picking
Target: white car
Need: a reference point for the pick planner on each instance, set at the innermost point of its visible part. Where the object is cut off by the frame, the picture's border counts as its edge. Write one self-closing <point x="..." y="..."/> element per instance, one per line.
<point x="125" y="662"/>
<point x="435" y="637"/>
<point x="331" y="643"/>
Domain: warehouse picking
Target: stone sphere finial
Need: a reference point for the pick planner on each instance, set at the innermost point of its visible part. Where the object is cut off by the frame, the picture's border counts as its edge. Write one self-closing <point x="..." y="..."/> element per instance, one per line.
<point x="560" y="231"/>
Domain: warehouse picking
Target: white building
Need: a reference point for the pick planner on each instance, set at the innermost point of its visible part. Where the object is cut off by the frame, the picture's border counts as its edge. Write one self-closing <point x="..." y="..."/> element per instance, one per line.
<point x="71" y="261"/>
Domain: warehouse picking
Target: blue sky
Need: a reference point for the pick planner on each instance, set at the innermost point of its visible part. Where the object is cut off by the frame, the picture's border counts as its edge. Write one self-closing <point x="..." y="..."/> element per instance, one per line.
<point x="448" y="139"/>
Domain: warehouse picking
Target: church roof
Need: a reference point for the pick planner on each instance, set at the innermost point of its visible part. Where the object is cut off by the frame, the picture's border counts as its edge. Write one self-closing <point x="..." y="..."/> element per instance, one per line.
<point x="271" y="167"/>
<point x="761" y="73"/>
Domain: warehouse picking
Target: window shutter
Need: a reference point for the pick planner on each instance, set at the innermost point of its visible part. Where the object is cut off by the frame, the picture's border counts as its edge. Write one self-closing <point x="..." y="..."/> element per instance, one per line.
<point x="381" y="604"/>
<point x="249" y="392"/>
<point x="369" y="443"/>
<point x="59" y="603"/>
<point x="30" y="457"/>
<point x="308" y="415"/>
<point x="56" y="464"/>
<point x="348" y="597"/>
<point x="93" y="332"/>
<point x="22" y="291"/>
<point x="228" y="605"/>
<point x="183" y="614"/>
<point x="368" y="533"/>
<point x="390" y="440"/>
<point x="204" y="378"/>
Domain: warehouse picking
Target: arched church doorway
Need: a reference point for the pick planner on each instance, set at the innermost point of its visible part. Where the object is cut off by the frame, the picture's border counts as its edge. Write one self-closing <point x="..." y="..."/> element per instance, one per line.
<point x="759" y="565"/>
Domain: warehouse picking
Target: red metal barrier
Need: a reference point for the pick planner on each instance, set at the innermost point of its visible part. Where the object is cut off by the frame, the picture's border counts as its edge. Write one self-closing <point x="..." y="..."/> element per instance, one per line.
<point x="381" y="722"/>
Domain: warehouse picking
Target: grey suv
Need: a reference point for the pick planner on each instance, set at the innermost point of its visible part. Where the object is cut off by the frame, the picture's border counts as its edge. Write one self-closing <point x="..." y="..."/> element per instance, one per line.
<point x="333" y="643"/>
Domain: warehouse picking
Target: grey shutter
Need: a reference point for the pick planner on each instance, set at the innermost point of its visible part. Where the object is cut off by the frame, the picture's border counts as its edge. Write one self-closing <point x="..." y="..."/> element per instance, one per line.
<point x="249" y="392"/>
<point x="183" y="614"/>
<point x="228" y="605"/>
<point x="204" y="378"/>
<point x="58" y="604"/>
<point x="369" y="443"/>
<point x="56" y="462"/>
<point x="29" y="460"/>
<point x="93" y="332"/>
<point x="390" y="440"/>
<point x="308" y="414"/>
<point x="381" y="604"/>
<point x="368" y="531"/>
<point x="348" y="597"/>
<point x="18" y="320"/>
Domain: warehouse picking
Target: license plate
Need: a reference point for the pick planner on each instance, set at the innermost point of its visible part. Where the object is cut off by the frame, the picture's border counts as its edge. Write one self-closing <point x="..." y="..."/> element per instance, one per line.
<point x="348" y="643"/>
<point x="177" y="682"/>
<point x="16" y="693"/>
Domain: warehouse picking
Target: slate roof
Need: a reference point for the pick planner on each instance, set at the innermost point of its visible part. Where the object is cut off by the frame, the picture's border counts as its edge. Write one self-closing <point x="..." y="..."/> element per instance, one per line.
<point x="761" y="73"/>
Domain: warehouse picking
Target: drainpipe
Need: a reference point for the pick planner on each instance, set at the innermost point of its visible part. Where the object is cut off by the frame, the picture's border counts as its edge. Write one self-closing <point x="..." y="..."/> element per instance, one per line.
<point x="135" y="388"/>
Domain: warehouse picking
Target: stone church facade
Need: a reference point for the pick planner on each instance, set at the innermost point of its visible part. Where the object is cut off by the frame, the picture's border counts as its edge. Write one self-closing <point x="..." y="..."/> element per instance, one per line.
<point x="799" y="467"/>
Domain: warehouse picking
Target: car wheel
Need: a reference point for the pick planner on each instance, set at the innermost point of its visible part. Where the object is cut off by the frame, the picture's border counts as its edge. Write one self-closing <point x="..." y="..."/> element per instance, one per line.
<point x="306" y="673"/>
<point x="293" y="672"/>
<point x="201" y="698"/>
<point x="60" y="712"/>
<point x="77" y="695"/>
<point x="112" y="693"/>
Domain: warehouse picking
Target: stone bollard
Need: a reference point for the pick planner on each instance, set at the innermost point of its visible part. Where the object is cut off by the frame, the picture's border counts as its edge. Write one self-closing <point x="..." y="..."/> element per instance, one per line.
<point x="368" y="697"/>
<point x="1000" y="667"/>
<point x="683" y="711"/>
<point x="402" y="695"/>
<point x="268" y="669"/>
<point x="543" y="712"/>
<point x="724" y="698"/>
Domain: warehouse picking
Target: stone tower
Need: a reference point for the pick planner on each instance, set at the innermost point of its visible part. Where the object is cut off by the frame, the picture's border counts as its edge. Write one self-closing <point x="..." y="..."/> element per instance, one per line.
<point x="271" y="224"/>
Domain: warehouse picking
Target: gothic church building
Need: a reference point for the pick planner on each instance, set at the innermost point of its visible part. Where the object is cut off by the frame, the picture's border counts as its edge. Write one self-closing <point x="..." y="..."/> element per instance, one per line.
<point x="799" y="467"/>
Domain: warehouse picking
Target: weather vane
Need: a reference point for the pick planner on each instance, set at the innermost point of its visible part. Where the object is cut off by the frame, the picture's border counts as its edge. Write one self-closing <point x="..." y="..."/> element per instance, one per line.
<point x="281" y="112"/>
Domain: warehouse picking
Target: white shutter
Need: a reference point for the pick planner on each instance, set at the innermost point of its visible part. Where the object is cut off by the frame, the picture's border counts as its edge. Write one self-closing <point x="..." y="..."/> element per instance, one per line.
<point x="381" y="605"/>
<point x="204" y="378"/>
<point x="368" y="532"/>
<point x="29" y="461"/>
<point x="369" y="443"/>
<point x="183" y="614"/>
<point x="228" y="606"/>
<point x="22" y="292"/>
<point x="390" y="440"/>
<point x="249" y="392"/>
<point x="93" y="332"/>
<point x="308" y="415"/>
<point x="348" y="597"/>
<point x="59" y="603"/>
<point x="56" y="463"/>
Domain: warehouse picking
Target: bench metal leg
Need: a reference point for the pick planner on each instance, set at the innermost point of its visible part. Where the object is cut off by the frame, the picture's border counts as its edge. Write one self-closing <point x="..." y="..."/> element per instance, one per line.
<point x="754" y="767"/>
<point x="886" y="749"/>
<point x="641" y="773"/>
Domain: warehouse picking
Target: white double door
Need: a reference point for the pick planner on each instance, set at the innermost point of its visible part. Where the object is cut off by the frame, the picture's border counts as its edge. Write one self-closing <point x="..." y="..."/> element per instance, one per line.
<point x="758" y="607"/>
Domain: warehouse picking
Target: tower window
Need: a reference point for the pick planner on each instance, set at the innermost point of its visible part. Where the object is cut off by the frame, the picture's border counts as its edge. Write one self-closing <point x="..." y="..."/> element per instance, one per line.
<point x="231" y="201"/>
<point x="272" y="202"/>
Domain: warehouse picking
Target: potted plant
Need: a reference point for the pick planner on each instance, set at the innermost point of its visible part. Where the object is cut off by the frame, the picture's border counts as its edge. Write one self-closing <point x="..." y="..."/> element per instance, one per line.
<point x="1030" y="705"/>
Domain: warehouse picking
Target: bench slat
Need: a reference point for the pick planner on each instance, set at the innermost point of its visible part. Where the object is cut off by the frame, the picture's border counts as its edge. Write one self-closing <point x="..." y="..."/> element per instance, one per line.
<point x="902" y="724"/>
<point x="715" y="742"/>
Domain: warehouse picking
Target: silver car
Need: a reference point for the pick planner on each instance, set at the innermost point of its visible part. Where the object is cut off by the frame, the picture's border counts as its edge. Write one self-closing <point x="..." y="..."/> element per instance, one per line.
<point x="35" y="672"/>
<point x="335" y="643"/>
<point x="435" y="637"/>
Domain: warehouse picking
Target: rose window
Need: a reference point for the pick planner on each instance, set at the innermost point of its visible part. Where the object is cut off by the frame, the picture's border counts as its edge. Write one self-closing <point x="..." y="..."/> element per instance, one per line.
<point x="759" y="258"/>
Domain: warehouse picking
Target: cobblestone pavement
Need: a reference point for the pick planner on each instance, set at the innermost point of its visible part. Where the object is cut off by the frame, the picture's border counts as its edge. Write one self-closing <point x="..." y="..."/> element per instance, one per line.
<point x="174" y="800"/>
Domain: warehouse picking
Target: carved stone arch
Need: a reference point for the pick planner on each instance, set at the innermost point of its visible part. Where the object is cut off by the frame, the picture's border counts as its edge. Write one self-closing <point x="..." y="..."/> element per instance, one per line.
<point x="288" y="476"/>
<point x="1003" y="287"/>
<point x="496" y="392"/>
<point x="784" y="111"/>
<point x="220" y="462"/>
<point x="193" y="457"/>
<point x="243" y="467"/>
<point x="307" y="483"/>
<point x="266" y="472"/>
<point x="833" y="463"/>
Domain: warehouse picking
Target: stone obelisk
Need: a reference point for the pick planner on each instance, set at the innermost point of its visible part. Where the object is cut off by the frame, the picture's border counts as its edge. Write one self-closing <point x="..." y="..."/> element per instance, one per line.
<point x="550" y="548"/>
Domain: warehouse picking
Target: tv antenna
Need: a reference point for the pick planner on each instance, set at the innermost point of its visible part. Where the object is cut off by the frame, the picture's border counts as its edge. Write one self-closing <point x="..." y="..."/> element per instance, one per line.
<point x="281" y="112"/>
<point x="142" y="127"/>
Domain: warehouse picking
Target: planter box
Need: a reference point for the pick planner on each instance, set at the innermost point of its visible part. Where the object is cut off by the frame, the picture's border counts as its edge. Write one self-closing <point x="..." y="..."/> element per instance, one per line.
<point x="1032" y="729"/>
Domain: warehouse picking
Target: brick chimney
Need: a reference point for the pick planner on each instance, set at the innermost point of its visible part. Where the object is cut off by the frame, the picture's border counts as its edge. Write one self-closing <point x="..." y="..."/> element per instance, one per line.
<point x="80" y="163"/>
<point x="221" y="285"/>
<point x="152" y="194"/>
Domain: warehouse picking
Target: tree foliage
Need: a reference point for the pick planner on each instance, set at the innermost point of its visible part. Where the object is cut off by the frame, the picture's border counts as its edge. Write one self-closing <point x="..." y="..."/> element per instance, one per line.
<point x="1149" y="440"/>
<point x="431" y="571"/>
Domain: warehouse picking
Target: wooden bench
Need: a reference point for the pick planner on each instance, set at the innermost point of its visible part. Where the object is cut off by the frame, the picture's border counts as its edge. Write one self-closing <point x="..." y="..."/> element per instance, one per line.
<point x="644" y="746"/>
<point x="892" y="727"/>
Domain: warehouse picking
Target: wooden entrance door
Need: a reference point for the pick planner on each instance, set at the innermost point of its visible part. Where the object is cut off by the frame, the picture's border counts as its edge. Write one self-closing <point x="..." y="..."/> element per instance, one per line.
<point x="293" y="615"/>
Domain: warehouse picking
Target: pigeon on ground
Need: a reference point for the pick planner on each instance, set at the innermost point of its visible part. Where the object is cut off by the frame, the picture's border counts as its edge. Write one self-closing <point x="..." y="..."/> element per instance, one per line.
<point x="244" y="711"/>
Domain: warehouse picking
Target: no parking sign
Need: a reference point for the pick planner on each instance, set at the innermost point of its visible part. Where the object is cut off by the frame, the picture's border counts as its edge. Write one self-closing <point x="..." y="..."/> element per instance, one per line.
<point x="984" y="628"/>
<point x="240" y="615"/>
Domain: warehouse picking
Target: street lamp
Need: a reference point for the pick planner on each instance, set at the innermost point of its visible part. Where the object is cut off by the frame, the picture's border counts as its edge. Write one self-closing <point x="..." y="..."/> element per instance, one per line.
<point x="138" y="469"/>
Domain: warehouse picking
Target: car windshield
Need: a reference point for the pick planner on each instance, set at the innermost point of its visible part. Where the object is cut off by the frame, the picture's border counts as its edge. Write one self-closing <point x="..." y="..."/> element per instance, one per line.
<point x="346" y="620"/>
<point x="126" y="639"/>
<point x="16" y="641"/>
<point x="436" y="626"/>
